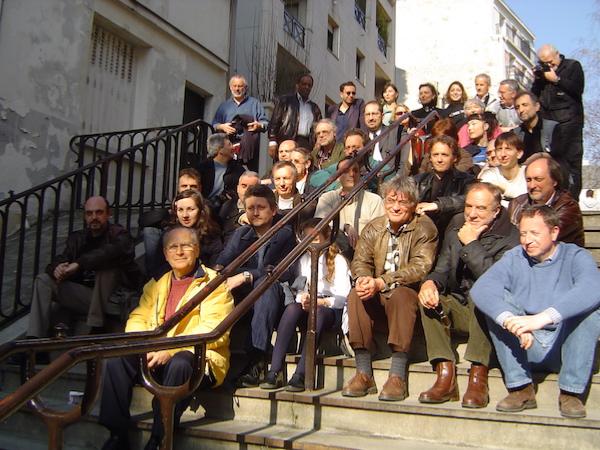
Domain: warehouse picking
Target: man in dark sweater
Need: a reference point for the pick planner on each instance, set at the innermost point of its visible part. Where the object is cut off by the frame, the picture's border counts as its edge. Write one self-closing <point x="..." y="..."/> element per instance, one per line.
<point x="96" y="260"/>
<point x="474" y="241"/>
<point x="542" y="306"/>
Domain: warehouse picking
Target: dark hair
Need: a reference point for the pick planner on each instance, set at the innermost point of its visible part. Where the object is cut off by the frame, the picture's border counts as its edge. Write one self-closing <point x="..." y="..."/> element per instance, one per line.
<point x="205" y="225"/>
<point x="554" y="168"/>
<point x="549" y="215"/>
<point x="262" y="191"/>
<point x="355" y="132"/>
<point x="446" y="127"/>
<point x="509" y="139"/>
<point x="303" y="75"/>
<point x="534" y="98"/>
<point x="346" y="83"/>
<point x="485" y="186"/>
<point x="387" y="85"/>
<point x="463" y="97"/>
<point x="446" y="140"/>
<point x="332" y="250"/>
<point x="190" y="172"/>
<point x="433" y="91"/>
<point x="373" y="102"/>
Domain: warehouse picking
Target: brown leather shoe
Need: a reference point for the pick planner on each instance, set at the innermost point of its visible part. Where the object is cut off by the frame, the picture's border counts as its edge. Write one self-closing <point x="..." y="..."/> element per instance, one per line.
<point x="360" y="385"/>
<point x="477" y="395"/>
<point x="394" y="389"/>
<point x="445" y="387"/>
<point x="519" y="400"/>
<point x="571" y="406"/>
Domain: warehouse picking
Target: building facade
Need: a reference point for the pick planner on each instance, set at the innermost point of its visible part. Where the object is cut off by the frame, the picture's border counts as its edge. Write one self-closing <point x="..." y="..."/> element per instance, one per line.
<point x="440" y="41"/>
<point x="72" y="67"/>
<point x="336" y="40"/>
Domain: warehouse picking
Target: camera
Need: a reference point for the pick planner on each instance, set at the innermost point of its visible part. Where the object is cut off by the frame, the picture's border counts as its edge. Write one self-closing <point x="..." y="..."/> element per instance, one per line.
<point x="540" y="68"/>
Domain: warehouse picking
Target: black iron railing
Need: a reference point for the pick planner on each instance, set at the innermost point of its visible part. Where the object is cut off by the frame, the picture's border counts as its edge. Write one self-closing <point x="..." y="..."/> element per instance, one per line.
<point x="293" y="27"/>
<point x="99" y="347"/>
<point x="382" y="45"/>
<point x="132" y="176"/>
<point x="360" y="16"/>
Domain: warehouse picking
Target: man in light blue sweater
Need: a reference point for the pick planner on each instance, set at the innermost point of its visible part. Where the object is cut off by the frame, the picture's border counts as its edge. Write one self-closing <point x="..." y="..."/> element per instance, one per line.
<point x="542" y="304"/>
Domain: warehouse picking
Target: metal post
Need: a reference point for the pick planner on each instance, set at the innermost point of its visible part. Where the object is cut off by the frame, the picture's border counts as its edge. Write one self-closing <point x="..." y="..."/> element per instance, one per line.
<point x="311" y="334"/>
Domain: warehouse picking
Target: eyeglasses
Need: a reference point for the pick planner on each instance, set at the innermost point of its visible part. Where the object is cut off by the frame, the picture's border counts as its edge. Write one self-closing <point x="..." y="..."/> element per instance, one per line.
<point x="185" y="247"/>
<point x="399" y="113"/>
<point x="394" y="200"/>
<point x="351" y="93"/>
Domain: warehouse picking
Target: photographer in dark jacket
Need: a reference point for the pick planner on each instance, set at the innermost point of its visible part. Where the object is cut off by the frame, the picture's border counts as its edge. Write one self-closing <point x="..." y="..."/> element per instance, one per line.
<point x="474" y="241"/>
<point x="559" y="84"/>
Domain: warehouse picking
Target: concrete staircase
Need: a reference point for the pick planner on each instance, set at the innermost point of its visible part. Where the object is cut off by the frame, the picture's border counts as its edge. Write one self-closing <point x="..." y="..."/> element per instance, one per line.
<point x="255" y="419"/>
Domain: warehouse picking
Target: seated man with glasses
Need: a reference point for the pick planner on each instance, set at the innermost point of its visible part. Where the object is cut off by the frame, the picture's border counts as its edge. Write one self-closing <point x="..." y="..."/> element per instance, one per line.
<point x="161" y="300"/>
<point x="393" y="255"/>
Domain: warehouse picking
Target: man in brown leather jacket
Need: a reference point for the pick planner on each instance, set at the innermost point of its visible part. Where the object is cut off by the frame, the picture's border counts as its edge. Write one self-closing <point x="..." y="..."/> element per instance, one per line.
<point x="393" y="255"/>
<point x="546" y="186"/>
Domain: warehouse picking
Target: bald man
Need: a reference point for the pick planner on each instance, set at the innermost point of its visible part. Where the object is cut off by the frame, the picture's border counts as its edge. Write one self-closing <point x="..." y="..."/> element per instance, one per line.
<point x="559" y="84"/>
<point x="95" y="261"/>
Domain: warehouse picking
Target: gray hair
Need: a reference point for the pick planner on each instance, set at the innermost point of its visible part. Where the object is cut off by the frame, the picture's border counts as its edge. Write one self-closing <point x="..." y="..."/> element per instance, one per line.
<point x="214" y="143"/>
<point x="192" y="232"/>
<point x="238" y="76"/>
<point x="250" y="173"/>
<point x="486" y="77"/>
<point x="399" y="183"/>
<point x="512" y="84"/>
<point x="474" y="101"/>
<point x="329" y="122"/>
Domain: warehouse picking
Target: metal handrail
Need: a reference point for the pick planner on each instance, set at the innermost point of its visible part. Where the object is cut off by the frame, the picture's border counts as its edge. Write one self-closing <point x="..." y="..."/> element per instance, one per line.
<point x="39" y="381"/>
<point x="133" y="179"/>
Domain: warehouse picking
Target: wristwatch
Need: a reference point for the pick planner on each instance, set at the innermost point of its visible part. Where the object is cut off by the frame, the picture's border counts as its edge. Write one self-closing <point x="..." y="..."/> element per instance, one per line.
<point x="247" y="277"/>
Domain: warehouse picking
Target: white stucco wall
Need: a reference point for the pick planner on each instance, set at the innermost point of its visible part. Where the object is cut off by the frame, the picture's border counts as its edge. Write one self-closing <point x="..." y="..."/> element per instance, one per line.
<point x="44" y="53"/>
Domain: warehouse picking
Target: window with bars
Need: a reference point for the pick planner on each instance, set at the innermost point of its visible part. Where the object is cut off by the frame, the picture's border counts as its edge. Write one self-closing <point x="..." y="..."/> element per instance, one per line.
<point x="110" y="83"/>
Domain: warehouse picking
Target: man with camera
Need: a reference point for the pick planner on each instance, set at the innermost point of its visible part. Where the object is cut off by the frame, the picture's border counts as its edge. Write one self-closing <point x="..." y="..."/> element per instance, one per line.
<point x="559" y="84"/>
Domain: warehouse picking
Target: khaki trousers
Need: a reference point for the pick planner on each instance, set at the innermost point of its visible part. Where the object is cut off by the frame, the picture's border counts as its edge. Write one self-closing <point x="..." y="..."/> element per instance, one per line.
<point x="464" y="318"/>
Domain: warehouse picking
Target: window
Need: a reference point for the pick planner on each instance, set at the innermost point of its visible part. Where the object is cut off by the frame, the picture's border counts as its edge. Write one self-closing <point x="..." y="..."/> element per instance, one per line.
<point x="333" y="37"/>
<point x="359" y="66"/>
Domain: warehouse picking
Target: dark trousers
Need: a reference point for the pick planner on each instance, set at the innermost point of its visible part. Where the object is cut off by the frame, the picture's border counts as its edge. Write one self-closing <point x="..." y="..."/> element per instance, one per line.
<point x="249" y="149"/>
<point x="392" y="312"/>
<point x="119" y="378"/>
<point x="570" y="135"/>
<point x="465" y="318"/>
<point x="294" y="316"/>
<point x="265" y="315"/>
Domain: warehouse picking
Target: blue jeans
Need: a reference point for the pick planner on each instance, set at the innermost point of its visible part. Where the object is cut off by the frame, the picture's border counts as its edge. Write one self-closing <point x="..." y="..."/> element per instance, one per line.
<point x="567" y="349"/>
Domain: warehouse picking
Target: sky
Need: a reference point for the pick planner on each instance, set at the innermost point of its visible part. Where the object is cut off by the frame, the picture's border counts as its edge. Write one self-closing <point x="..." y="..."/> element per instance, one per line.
<point x="567" y="24"/>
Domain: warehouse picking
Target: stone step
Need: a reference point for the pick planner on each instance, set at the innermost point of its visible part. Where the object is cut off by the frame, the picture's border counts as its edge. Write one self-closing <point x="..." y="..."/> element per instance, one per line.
<point x="590" y="218"/>
<point x="335" y="371"/>
<point x="211" y="434"/>
<point x="279" y="413"/>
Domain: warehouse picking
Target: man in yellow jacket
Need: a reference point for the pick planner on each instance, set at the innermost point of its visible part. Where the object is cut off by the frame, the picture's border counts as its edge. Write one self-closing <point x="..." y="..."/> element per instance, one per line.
<point x="160" y="300"/>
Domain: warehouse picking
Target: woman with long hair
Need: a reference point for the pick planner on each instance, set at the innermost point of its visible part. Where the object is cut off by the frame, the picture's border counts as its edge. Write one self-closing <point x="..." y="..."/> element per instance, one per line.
<point x="389" y="98"/>
<point x="190" y="210"/>
<point x="455" y="99"/>
<point x="333" y="286"/>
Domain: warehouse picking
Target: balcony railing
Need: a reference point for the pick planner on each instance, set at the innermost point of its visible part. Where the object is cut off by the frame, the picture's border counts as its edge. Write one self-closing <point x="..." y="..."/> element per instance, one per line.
<point x="360" y="16"/>
<point x="293" y="27"/>
<point x="382" y="45"/>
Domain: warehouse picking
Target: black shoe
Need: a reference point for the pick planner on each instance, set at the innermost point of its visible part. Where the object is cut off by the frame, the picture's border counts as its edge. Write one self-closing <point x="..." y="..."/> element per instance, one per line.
<point x="273" y="380"/>
<point x="296" y="383"/>
<point x="117" y="442"/>
<point x="252" y="376"/>
<point x="153" y="443"/>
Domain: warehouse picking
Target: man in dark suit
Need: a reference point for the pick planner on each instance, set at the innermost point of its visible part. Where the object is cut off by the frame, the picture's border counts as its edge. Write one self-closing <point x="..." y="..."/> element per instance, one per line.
<point x="373" y="114"/>
<point x="349" y="113"/>
<point x="293" y="116"/>
<point x="220" y="172"/>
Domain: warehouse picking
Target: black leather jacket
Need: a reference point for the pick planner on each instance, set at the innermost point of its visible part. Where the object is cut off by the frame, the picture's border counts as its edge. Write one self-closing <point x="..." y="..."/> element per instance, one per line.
<point x="284" y="121"/>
